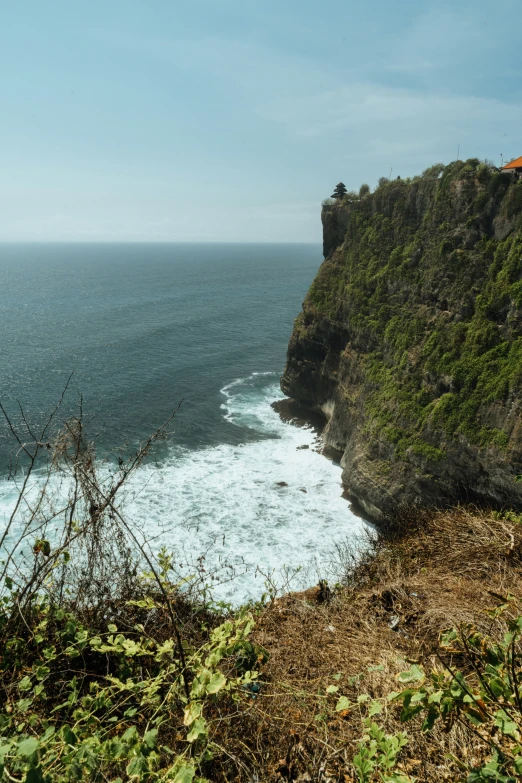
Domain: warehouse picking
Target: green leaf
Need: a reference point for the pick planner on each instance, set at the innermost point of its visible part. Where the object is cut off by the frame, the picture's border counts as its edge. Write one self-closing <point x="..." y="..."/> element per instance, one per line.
<point x="491" y="769"/>
<point x="112" y="628"/>
<point x="409" y="712"/>
<point x="199" y="729"/>
<point x="34" y="775"/>
<point x="332" y="689"/>
<point x="149" y="738"/>
<point x="42" y="546"/>
<point x="192" y="711"/>
<point x="185" y="774"/>
<point x="375" y="708"/>
<point x="4" y="750"/>
<point x="505" y="724"/>
<point x="414" y="674"/>
<point x="27" y="746"/>
<point x="5" y="724"/>
<point x="24" y="684"/>
<point x="430" y="719"/>
<point x="448" y="637"/>
<point x="50" y="730"/>
<point x="137" y="766"/>
<point x="69" y="736"/>
<point x="147" y="603"/>
<point x="217" y="682"/>
<point x="131" y="733"/>
<point x="342" y="704"/>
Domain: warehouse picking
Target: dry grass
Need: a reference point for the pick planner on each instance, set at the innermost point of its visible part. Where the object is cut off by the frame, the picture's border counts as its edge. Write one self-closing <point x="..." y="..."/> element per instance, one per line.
<point x="430" y="571"/>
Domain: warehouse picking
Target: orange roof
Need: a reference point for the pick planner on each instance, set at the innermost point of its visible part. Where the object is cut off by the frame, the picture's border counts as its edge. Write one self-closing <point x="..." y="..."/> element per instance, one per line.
<point x="515" y="164"/>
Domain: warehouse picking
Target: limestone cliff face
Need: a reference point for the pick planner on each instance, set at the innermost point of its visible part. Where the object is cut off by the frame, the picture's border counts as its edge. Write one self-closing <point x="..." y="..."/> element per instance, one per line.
<point x="410" y="340"/>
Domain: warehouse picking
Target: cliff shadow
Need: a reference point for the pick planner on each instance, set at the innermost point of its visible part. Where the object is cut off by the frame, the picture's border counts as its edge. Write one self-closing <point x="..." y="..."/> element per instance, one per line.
<point x="293" y="412"/>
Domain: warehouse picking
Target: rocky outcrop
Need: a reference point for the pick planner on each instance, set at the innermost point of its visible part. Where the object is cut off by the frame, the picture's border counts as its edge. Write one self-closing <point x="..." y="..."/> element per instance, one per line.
<point x="410" y="340"/>
<point x="335" y="223"/>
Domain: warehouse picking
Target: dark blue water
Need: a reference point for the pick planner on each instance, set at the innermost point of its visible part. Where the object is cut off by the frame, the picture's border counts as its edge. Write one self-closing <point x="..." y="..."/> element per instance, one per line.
<point x="144" y="327"/>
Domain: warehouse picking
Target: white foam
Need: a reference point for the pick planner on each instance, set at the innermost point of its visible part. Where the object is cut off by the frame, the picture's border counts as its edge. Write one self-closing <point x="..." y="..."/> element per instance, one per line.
<point x="234" y="492"/>
<point x="227" y="500"/>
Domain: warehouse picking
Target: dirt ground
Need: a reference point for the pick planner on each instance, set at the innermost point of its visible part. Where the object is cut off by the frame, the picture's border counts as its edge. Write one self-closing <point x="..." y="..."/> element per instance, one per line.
<point x="429" y="572"/>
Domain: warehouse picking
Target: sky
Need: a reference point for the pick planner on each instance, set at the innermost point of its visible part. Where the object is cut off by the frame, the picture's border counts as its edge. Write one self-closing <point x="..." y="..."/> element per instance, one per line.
<point x="231" y="120"/>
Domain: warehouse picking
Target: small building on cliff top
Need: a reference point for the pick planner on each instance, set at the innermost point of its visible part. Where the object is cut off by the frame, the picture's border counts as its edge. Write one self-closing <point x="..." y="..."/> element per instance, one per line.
<point x="514" y="167"/>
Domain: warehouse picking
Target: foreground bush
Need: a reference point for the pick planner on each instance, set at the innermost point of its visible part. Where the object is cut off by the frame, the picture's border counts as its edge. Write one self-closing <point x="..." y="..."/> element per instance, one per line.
<point x="113" y="667"/>
<point x="81" y="704"/>
<point x="484" y="694"/>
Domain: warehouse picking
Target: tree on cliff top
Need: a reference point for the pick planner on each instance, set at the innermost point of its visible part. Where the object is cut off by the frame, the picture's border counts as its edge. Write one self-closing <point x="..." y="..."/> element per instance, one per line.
<point x="340" y="190"/>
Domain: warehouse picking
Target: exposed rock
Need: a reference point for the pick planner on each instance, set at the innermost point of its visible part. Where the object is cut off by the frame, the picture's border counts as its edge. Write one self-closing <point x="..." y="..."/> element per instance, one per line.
<point x="298" y="414"/>
<point x="410" y="341"/>
<point x="335" y="223"/>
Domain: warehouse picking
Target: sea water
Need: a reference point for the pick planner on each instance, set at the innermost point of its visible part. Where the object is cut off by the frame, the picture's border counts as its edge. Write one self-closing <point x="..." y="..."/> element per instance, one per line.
<point x="145" y="327"/>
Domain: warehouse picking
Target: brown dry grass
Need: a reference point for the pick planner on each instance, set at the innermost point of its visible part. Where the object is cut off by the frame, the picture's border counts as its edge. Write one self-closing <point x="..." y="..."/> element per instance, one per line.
<point x="431" y="570"/>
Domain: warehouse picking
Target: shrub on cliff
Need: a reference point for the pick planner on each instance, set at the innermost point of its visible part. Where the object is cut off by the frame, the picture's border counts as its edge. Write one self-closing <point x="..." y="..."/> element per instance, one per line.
<point x="111" y="666"/>
<point x="483" y="694"/>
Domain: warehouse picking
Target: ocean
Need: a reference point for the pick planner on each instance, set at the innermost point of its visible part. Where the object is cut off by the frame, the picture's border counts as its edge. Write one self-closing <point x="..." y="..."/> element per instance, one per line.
<point x="146" y="327"/>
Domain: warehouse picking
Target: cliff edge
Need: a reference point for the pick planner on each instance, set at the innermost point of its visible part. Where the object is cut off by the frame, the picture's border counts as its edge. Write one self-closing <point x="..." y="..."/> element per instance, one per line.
<point x="410" y="340"/>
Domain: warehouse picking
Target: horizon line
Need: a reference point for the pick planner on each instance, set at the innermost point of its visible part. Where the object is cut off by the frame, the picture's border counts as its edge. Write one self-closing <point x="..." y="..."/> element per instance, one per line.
<point x="152" y="242"/>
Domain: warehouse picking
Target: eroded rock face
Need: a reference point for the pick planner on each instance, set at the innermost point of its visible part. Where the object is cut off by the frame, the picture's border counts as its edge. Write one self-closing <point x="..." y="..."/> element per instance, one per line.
<point x="410" y="341"/>
<point x="335" y="223"/>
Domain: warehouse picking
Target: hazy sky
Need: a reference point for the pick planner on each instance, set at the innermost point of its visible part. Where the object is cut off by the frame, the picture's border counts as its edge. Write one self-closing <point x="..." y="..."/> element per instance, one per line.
<point x="230" y="120"/>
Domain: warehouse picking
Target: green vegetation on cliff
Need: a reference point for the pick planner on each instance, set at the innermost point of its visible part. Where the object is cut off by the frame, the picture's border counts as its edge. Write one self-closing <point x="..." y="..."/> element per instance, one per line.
<point x="429" y="284"/>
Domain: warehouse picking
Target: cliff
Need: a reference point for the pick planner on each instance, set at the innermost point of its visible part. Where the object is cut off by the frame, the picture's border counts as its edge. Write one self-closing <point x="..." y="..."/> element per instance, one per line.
<point x="410" y="340"/>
